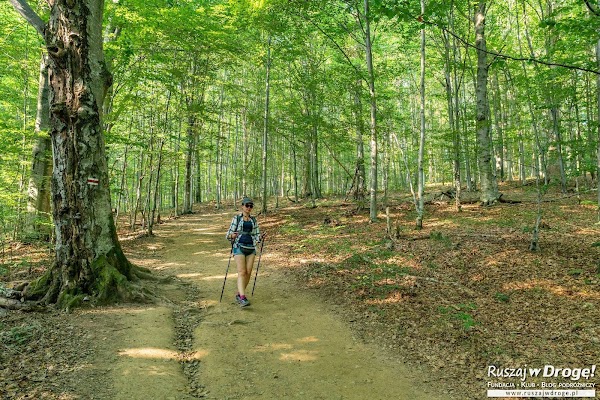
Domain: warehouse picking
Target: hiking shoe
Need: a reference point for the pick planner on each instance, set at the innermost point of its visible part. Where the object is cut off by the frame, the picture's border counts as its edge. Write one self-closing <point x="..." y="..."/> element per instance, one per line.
<point x="243" y="301"/>
<point x="237" y="298"/>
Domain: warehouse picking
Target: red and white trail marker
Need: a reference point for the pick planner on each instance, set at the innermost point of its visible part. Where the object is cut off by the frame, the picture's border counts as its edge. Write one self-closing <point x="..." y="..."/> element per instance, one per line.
<point x="93" y="181"/>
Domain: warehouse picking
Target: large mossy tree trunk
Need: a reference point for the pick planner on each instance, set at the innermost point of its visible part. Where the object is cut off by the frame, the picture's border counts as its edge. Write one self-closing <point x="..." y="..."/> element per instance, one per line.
<point x="89" y="259"/>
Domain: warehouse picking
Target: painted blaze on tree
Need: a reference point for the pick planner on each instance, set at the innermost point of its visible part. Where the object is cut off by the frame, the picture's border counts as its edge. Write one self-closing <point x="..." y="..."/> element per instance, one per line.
<point x="89" y="260"/>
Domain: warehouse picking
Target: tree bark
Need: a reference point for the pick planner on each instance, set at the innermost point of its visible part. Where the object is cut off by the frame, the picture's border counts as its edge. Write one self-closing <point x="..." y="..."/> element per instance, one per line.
<point x="598" y="120"/>
<point x="489" y="190"/>
<point x="38" y="206"/>
<point x="266" y="127"/>
<point x="89" y="259"/>
<point x="360" y="177"/>
<point x="371" y="80"/>
<point x="187" y="197"/>
<point x="420" y="160"/>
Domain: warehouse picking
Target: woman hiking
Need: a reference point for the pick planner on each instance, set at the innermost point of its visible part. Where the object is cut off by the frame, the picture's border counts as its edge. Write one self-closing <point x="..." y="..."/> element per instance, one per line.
<point x="244" y="235"/>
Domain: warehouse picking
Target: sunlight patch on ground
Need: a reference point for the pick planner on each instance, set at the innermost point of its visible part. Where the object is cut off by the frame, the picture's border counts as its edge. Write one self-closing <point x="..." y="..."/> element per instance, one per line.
<point x="549" y="286"/>
<point x="115" y="310"/>
<point x="272" y="347"/>
<point x="212" y="215"/>
<point x="197" y="355"/>
<point x="170" y="264"/>
<point x="196" y="242"/>
<point x="205" y="252"/>
<point x="300" y="355"/>
<point x="208" y="230"/>
<point x="311" y="260"/>
<point x="587" y="231"/>
<point x="393" y="298"/>
<point x="308" y="339"/>
<point x="477" y="277"/>
<point x="162" y="354"/>
<point x="150" y="352"/>
<point x="207" y="303"/>
<point x="206" y="278"/>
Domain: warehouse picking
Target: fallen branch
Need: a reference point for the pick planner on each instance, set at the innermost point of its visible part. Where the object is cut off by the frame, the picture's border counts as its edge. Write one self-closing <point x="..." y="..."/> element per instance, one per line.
<point x="12" y="304"/>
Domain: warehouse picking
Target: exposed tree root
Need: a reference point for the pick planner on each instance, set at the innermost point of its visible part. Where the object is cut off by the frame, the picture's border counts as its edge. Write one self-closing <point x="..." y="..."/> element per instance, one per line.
<point x="110" y="286"/>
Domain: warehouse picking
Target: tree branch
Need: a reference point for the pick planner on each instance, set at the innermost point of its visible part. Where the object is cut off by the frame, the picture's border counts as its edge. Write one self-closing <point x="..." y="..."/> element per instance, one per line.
<point x="328" y="36"/>
<point x="508" y="57"/>
<point x="23" y="8"/>
<point x="332" y="154"/>
<point x="593" y="9"/>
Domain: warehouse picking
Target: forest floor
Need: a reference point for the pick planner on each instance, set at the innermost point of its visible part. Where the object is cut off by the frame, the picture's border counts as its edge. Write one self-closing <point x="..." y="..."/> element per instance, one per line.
<point x="340" y="310"/>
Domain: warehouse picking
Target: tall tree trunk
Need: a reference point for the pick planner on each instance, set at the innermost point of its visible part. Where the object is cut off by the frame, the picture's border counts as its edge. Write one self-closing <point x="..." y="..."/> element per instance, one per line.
<point x="89" y="260"/>
<point x="138" y="193"/>
<point x="246" y="148"/>
<point x="219" y="152"/>
<point x="420" y="160"/>
<point x="499" y="122"/>
<point x="38" y="206"/>
<point x="189" y="155"/>
<point x="450" y="90"/>
<point x="371" y="79"/>
<point x="156" y="188"/>
<point x="559" y="149"/>
<point x="315" y="184"/>
<point x="360" y="177"/>
<point x="598" y="120"/>
<point x="489" y="190"/>
<point x="123" y="174"/>
<point x="266" y="128"/>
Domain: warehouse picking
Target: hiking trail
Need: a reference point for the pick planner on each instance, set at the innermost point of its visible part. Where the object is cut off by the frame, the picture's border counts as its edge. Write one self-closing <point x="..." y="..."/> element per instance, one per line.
<point x="287" y="344"/>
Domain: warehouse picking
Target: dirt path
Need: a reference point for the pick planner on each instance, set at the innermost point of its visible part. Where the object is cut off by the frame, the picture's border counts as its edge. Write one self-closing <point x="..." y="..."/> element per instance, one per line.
<point x="288" y="344"/>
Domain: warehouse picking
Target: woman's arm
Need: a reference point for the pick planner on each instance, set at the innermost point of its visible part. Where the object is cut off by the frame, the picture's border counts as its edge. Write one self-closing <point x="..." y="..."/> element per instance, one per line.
<point x="232" y="228"/>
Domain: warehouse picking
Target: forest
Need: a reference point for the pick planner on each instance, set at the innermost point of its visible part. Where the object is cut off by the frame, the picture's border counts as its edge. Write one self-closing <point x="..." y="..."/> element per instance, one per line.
<point x="212" y="100"/>
<point x="116" y="116"/>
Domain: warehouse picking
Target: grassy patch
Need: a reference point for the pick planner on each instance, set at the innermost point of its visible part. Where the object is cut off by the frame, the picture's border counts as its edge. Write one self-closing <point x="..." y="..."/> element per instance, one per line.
<point x="19" y="335"/>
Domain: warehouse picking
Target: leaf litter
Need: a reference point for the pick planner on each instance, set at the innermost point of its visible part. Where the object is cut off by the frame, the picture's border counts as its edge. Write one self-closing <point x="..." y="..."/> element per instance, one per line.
<point x="458" y="296"/>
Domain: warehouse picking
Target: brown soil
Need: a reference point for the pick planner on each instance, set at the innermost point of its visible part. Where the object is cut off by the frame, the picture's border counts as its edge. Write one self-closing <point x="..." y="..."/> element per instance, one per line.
<point x="339" y="312"/>
<point x="288" y="344"/>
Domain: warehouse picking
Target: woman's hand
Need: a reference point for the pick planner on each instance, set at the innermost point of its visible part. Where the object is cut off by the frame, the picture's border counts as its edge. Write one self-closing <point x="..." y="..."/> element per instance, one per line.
<point x="233" y="235"/>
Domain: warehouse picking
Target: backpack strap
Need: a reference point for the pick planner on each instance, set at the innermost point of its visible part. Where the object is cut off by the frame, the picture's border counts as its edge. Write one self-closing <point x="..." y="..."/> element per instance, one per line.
<point x="239" y="218"/>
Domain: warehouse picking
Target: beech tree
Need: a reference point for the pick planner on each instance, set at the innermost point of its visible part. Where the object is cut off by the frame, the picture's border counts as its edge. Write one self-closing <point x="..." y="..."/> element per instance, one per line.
<point x="89" y="261"/>
<point x="489" y="188"/>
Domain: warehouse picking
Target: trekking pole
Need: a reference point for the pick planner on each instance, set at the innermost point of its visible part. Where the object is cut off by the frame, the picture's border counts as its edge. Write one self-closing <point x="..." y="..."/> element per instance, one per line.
<point x="226" y="271"/>
<point x="262" y="243"/>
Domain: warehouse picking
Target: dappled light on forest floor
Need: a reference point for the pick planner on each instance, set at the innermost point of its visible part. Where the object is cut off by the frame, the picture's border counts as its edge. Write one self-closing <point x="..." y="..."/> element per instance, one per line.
<point x="294" y="355"/>
<point x="392" y="298"/>
<point x="308" y="339"/>
<point x="163" y="354"/>
<point x="300" y="355"/>
<point x="462" y="292"/>
<point x="273" y="347"/>
<point x="201" y="276"/>
<point x="207" y="231"/>
<point x="149" y="352"/>
<point x="169" y="265"/>
<point x="549" y="286"/>
<point x="116" y="310"/>
<point x="474" y="282"/>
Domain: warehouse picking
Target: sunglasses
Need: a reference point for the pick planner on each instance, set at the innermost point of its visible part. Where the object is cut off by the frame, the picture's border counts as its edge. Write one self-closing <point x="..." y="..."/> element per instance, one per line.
<point x="249" y="205"/>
